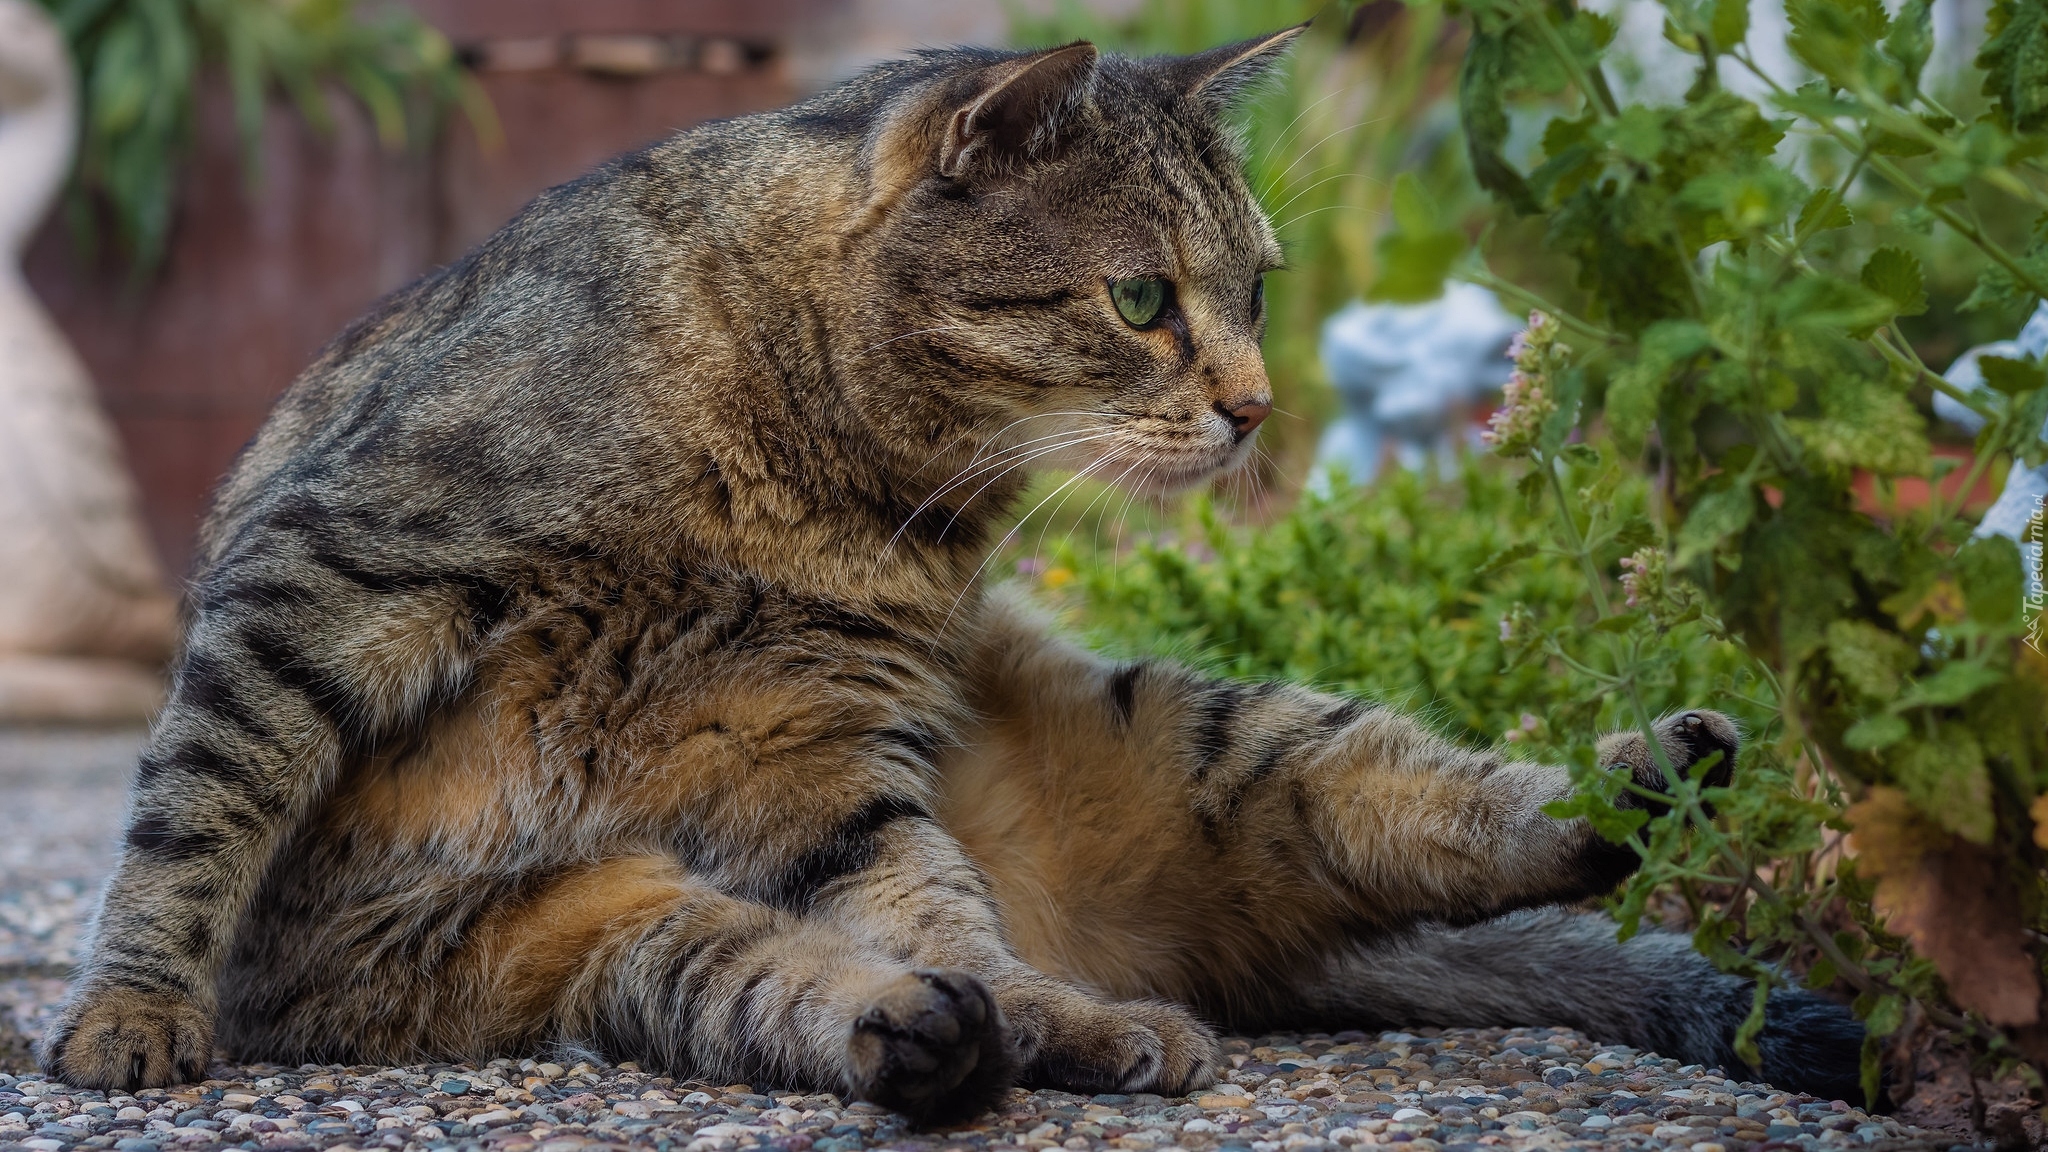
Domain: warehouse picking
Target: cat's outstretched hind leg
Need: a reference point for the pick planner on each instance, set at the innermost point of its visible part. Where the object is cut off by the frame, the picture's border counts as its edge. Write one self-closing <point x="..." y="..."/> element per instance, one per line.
<point x="1554" y="967"/>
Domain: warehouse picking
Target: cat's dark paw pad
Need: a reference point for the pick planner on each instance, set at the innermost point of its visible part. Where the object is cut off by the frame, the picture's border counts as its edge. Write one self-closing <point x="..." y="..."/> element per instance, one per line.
<point x="111" y="1038"/>
<point x="1687" y="738"/>
<point x="1140" y="1046"/>
<point x="931" y="1046"/>
<point x="1812" y="1045"/>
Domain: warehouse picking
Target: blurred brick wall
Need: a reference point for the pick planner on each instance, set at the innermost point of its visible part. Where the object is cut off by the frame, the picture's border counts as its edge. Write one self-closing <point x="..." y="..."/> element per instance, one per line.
<point x="257" y="280"/>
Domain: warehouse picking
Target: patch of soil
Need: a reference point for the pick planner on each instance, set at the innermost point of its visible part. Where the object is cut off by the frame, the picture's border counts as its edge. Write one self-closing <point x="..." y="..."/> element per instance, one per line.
<point x="1945" y="1098"/>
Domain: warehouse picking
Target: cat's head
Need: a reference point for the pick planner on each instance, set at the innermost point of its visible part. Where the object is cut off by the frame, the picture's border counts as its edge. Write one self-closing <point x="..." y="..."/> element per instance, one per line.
<point x="1065" y="264"/>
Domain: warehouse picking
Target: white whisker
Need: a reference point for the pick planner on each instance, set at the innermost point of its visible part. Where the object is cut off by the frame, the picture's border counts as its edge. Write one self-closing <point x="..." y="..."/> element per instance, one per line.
<point x="919" y="332"/>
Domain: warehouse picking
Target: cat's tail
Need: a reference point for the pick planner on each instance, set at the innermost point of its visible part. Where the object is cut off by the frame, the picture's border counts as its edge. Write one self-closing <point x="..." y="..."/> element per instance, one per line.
<point x="1549" y="966"/>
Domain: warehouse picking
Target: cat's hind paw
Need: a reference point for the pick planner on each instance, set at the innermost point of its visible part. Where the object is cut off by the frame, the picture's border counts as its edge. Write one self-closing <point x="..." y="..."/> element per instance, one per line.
<point x="932" y="1046"/>
<point x="1137" y="1046"/>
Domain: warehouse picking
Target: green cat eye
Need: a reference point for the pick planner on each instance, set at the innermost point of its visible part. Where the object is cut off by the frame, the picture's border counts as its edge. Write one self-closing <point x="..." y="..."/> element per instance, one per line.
<point x="1139" y="299"/>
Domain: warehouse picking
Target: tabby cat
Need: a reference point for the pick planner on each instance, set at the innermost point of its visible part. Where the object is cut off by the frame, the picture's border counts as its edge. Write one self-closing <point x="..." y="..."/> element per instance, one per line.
<point x="590" y="650"/>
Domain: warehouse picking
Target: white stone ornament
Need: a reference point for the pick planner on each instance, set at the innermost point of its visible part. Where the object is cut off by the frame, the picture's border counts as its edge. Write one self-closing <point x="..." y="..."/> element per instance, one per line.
<point x="1409" y="376"/>
<point x="2025" y="488"/>
<point x="85" y="620"/>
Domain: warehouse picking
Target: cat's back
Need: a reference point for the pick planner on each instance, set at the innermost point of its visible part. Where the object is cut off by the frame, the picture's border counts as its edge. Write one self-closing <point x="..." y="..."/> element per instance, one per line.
<point x="495" y="377"/>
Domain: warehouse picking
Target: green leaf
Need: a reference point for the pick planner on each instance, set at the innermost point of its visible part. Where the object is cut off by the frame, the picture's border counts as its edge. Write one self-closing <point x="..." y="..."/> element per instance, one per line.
<point x="1946" y="778"/>
<point x="2015" y="63"/>
<point x="1413" y="210"/>
<point x="1614" y="825"/>
<point x="1822" y="212"/>
<point x="1863" y="422"/>
<point x="1994" y="580"/>
<point x="1886" y="1016"/>
<point x="1636" y="391"/>
<point x="1638" y="133"/>
<point x="1911" y="40"/>
<point x="1895" y="273"/>
<point x="1836" y="38"/>
<point x="1875" y="733"/>
<point x="1821" y="975"/>
<point x="1998" y="288"/>
<point x="1715" y="517"/>
<point x="1635" y="532"/>
<point x="1416" y="255"/>
<point x="1482" y="112"/>
<point x="1870" y="659"/>
<point x="2030" y="425"/>
<point x="1729" y="24"/>
<point x="1507" y="557"/>
<point x="1952" y="685"/>
<point x="1752" y="1026"/>
<point x="2011" y="377"/>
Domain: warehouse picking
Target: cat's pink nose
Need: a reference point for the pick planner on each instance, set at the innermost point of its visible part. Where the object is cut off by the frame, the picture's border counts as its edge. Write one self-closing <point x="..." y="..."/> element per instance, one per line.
<point x="1245" y="415"/>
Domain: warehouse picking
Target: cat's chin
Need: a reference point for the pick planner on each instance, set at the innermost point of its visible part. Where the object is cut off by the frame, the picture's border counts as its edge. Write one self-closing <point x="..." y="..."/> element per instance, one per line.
<point x="1174" y="475"/>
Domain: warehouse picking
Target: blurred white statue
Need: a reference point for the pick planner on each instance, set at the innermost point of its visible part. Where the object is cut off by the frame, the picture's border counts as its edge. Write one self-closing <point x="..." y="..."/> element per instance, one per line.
<point x="2025" y="488"/>
<point x="85" y="620"/>
<point x="1409" y="376"/>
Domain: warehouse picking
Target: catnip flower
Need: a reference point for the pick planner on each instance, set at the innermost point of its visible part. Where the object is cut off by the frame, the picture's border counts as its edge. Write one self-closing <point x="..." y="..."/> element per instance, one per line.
<point x="1527" y="729"/>
<point x="1642" y="577"/>
<point x="1528" y="399"/>
<point x="1517" y="625"/>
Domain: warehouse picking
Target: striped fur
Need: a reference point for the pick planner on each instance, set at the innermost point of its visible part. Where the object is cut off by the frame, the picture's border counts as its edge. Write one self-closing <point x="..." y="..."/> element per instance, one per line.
<point x="590" y="650"/>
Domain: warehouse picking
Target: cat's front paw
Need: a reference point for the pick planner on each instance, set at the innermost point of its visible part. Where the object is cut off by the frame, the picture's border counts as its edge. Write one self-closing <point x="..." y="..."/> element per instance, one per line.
<point x="932" y="1046"/>
<point x="1084" y="1045"/>
<point x="110" y="1037"/>
<point x="1687" y="738"/>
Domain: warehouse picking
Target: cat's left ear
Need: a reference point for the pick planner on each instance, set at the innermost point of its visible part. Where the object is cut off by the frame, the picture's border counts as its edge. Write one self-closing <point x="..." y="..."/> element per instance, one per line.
<point x="1020" y="111"/>
<point x="1221" y="75"/>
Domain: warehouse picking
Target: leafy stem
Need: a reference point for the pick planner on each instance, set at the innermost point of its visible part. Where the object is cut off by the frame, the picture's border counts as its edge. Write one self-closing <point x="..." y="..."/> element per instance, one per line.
<point x="1906" y="183"/>
<point x="1477" y="273"/>
<point x="1591" y="86"/>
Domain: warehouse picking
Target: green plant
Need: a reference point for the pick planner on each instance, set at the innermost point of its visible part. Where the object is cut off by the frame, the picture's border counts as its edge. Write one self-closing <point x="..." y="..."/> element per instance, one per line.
<point x="141" y="61"/>
<point x="1723" y="378"/>
<point x="1734" y="339"/>
<point x="1396" y="592"/>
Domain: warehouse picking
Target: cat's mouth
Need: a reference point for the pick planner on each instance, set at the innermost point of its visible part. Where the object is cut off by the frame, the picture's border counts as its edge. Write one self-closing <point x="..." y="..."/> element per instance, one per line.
<point x="1143" y="455"/>
<point x="1160" y="470"/>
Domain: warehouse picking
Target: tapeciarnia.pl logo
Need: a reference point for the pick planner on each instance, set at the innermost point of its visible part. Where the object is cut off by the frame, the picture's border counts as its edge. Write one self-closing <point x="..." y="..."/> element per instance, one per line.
<point x="2036" y="535"/>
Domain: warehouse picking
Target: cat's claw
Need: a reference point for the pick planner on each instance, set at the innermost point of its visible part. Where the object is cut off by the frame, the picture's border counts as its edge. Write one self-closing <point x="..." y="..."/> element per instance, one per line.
<point x="933" y="1047"/>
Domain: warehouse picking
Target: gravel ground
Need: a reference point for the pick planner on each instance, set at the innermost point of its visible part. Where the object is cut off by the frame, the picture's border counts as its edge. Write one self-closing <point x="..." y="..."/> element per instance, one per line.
<point x="1462" y="1089"/>
<point x="61" y="798"/>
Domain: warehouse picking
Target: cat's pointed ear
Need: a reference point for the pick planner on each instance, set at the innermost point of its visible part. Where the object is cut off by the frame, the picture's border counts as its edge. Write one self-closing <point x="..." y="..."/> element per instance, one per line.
<point x="1220" y="75"/>
<point x="1020" y="110"/>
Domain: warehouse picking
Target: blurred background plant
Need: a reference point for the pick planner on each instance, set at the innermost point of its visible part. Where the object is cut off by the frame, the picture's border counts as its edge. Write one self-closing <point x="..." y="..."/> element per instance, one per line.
<point x="1735" y="491"/>
<point x="140" y="64"/>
